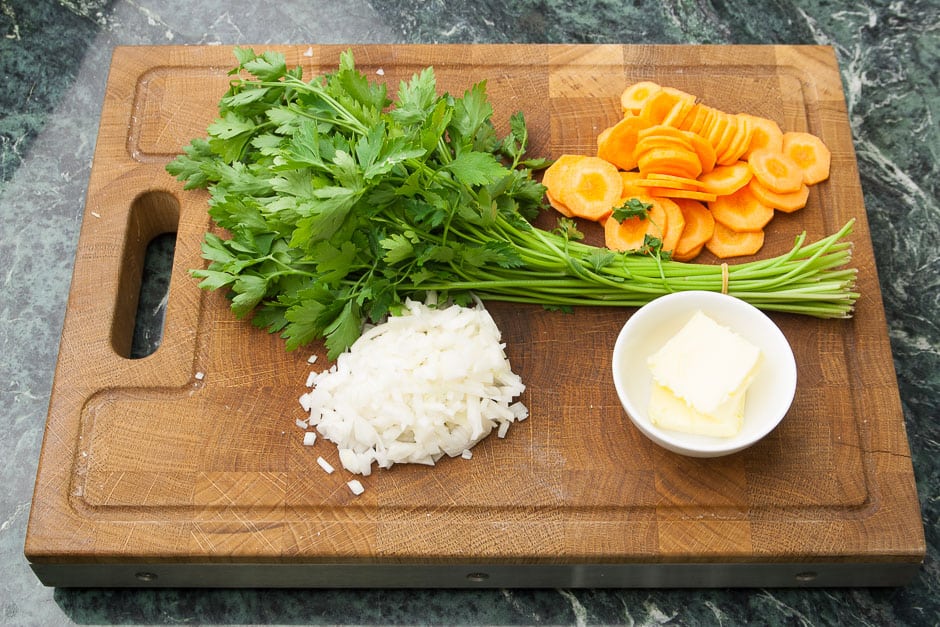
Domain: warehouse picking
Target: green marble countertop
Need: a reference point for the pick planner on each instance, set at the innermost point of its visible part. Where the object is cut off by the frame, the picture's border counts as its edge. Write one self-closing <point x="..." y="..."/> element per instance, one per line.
<point x="54" y="58"/>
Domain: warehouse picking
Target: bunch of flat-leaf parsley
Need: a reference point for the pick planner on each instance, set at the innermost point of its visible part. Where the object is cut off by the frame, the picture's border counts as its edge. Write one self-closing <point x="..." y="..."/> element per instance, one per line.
<point x="338" y="203"/>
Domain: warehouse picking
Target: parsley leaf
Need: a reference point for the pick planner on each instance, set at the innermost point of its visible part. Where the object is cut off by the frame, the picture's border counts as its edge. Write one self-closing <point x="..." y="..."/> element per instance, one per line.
<point x="634" y="207"/>
<point x="343" y="330"/>
<point x="476" y="168"/>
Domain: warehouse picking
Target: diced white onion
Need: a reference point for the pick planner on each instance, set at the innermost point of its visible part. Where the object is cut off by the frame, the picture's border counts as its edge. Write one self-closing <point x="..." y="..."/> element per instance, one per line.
<point x="423" y="384"/>
<point x="325" y="465"/>
<point x="310" y="437"/>
<point x="355" y="487"/>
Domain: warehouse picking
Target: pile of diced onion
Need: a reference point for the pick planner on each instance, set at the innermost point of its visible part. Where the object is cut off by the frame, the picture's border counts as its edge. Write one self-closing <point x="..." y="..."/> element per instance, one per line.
<point x="429" y="382"/>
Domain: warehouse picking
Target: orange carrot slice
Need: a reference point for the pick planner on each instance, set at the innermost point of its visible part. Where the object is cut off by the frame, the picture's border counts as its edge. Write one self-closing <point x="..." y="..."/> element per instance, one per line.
<point x="725" y="243"/>
<point x="788" y="203"/>
<point x="687" y="182"/>
<point x="675" y="223"/>
<point x="618" y="143"/>
<point x="715" y="127"/>
<point x="675" y="182"/>
<point x="765" y="134"/>
<point x="657" y="131"/>
<point x="694" y="118"/>
<point x="705" y="151"/>
<point x="629" y="234"/>
<point x="635" y="96"/>
<point x="660" y="104"/>
<point x="557" y="205"/>
<point x="810" y="153"/>
<point x="741" y="211"/>
<point x="555" y="176"/>
<point x="672" y="161"/>
<point x="591" y="188"/>
<point x="726" y="179"/>
<point x="741" y="141"/>
<point x="653" y="142"/>
<point x="630" y="189"/>
<point x="699" y="225"/>
<point x="680" y="109"/>
<point x="776" y="171"/>
<point x="727" y="136"/>
<point x="692" y="194"/>
<point x="689" y="255"/>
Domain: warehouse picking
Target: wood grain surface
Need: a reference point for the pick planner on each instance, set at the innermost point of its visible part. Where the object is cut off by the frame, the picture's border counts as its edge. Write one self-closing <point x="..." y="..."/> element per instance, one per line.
<point x="144" y="460"/>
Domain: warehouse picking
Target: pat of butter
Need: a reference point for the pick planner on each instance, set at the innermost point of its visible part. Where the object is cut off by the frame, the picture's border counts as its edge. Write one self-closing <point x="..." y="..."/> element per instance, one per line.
<point x="700" y="378"/>
<point x="667" y="411"/>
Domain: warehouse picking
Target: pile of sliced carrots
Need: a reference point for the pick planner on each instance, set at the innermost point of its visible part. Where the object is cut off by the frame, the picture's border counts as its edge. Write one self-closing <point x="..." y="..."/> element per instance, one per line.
<point x="713" y="179"/>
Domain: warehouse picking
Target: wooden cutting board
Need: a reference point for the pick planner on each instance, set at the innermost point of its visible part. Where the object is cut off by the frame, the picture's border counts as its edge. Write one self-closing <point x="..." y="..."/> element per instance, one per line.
<point x="186" y="467"/>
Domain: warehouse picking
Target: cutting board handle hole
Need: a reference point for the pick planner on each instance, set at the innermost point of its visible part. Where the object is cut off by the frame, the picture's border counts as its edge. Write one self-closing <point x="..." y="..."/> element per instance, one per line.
<point x="153" y="294"/>
<point x="145" y="275"/>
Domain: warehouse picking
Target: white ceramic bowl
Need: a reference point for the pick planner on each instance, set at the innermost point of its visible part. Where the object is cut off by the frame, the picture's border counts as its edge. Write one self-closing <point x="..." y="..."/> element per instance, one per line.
<point x="768" y="398"/>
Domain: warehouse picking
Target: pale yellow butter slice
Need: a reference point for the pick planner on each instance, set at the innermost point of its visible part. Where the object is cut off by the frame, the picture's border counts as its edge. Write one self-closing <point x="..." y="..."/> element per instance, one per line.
<point x="670" y="412"/>
<point x="700" y="378"/>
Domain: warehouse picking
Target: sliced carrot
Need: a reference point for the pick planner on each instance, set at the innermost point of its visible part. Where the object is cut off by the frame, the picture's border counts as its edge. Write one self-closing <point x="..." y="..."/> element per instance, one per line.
<point x="694" y="118"/>
<point x="591" y="188"/>
<point x="726" y="243"/>
<point x="657" y="131"/>
<point x="635" y="96"/>
<point x="702" y="120"/>
<point x="671" y="183"/>
<point x="626" y="235"/>
<point x="741" y="141"/>
<point x="692" y="194"/>
<point x="705" y="151"/>
<point x="675" y="162"/>
<point x="555" y="176"/>
<point x="699" y="225"/>
<point x="629" y="234"/>
<point x="557" y="205"/>
<point x="727" y="136"/>
<point x="617" y="143"/>
<point x="688" y="255"/>
<point x="573" y="178"/>
<point x="726" y="179"/>
<point x="776" y="171"/>
<point x="662" y="136"/>
<point x="672" y="161"/>
<point x="788" y="203"/>
<point x="680" y="109"/>
<point x="653" y="142"/>
<point x="630" y="188"/>
<point x="741" y="211"/>
<point x="687" y="182"/>
<point x="675" y="223"/>
<point x="766" y="134"/>
<point x="736" y="169"/>
<point x="810" y="153"/>
<point x="660" y="104"/>
<point x="715" y="126"/>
